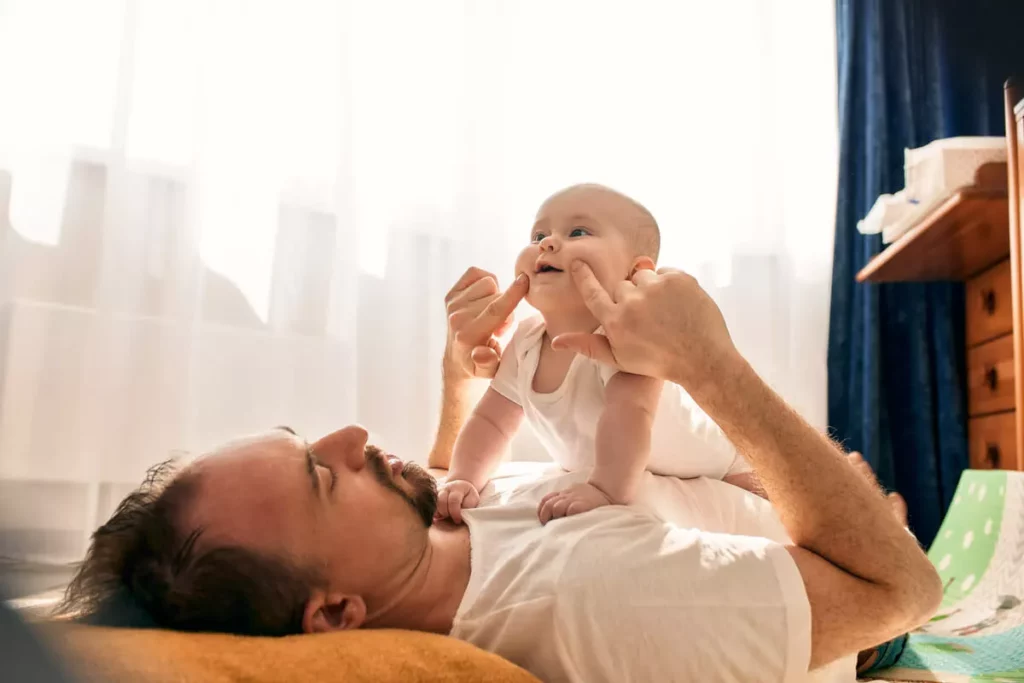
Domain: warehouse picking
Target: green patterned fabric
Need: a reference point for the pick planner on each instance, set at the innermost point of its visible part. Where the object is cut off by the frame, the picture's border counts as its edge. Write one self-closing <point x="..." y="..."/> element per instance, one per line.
<point x="978" y="633"/>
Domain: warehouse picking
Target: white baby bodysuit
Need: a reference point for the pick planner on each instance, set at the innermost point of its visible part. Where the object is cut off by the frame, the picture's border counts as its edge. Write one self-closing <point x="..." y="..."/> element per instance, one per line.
<point x="685" y="442"/>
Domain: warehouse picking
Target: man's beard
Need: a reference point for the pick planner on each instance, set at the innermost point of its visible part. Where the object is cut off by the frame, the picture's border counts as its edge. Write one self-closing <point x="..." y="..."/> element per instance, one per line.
<point x="423" y="498"/>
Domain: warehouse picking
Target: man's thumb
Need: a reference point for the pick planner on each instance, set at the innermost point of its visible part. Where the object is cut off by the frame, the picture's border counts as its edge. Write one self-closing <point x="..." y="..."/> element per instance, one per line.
<point x="593" y="346"/>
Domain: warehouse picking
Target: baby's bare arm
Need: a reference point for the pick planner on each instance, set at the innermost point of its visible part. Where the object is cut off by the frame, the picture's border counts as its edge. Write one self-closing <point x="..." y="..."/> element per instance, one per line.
<point x="484" y="439"/>
<point x="624" y="434"/>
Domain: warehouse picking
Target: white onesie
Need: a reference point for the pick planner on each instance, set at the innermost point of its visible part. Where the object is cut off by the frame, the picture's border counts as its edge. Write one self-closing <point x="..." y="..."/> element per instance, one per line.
<point x="685" y="442"/>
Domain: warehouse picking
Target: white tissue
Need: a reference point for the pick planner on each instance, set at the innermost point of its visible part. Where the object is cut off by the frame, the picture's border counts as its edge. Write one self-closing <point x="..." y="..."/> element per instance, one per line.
<point x="888" y="210"/>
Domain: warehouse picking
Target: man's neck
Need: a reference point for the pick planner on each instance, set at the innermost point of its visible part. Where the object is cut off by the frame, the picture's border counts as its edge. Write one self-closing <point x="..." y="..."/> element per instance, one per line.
<point x="431" y="597"/>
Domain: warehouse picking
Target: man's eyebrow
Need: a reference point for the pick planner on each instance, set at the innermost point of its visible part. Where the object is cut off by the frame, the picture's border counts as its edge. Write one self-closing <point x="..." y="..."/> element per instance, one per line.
<point x="311" y="461"/>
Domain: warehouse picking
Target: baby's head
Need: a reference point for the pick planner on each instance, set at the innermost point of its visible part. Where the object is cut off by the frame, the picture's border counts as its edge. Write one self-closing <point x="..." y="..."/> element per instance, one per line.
<point x="610" y="232"/>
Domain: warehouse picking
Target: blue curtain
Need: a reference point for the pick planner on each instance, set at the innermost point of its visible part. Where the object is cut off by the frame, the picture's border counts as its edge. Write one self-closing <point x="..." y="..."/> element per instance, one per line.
<point x="910" y="71"/>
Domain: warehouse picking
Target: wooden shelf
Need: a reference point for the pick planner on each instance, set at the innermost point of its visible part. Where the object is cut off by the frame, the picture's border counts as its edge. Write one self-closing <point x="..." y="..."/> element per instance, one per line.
<point x="962" y="237"/>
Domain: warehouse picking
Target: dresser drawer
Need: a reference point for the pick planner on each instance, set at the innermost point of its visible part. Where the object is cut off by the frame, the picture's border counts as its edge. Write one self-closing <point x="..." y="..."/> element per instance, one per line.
<point x="989" y="305"/>
<point x="993" y="442"/>
<point x="990" y="377"/>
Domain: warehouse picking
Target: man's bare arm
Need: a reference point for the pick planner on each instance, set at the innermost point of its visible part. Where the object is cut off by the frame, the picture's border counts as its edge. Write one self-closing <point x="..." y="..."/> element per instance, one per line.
<point x="478" y="312"/>
<point x="866" y="578"/>
<point x="885" y="584"/>
<point x="457" y="401"/>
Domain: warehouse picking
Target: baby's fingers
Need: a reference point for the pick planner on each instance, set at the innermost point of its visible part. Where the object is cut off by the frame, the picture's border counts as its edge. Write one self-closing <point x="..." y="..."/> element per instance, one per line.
<point x="442" y="505"/>
<point x="455" y="506"/>
<point x="545" y="511"/>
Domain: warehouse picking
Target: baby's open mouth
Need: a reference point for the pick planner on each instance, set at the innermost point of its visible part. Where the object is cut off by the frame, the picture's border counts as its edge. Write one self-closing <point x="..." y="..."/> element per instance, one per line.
<point x="548" y="269"/>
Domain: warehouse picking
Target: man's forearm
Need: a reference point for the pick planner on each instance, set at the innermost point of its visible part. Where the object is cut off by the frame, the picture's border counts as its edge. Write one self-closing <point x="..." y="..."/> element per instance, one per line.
<point x="458" y="396"/>
<point x="825" y="508"/>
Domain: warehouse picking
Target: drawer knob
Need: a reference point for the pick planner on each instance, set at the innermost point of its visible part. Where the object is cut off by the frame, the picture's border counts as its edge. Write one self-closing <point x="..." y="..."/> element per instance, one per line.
<point x="988" y="301"/>
<point x="992" y="455"/>
<point x="992" y="378"/>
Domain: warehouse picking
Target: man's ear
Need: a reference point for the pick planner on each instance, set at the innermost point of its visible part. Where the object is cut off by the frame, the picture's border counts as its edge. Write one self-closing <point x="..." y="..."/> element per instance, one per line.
<point x="641" y="263"/>
<point x="327" y="612"/>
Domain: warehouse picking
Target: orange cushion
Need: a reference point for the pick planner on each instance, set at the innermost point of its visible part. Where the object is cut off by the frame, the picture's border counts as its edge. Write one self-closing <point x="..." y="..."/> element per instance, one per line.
<point x="371" y="656"/>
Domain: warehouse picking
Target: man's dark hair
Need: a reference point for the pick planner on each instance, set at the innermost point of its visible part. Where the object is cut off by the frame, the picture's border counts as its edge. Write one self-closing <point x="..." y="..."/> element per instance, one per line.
<point x="144" y="565"/>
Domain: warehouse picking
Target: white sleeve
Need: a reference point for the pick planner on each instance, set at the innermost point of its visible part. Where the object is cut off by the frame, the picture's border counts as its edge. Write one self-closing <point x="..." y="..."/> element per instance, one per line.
<point x="739" y="600"/>
<point x="505" y="381"/>
<point x="739" y="466"/>
<point x="607" y="372"/>
<point x="714" y="440"/>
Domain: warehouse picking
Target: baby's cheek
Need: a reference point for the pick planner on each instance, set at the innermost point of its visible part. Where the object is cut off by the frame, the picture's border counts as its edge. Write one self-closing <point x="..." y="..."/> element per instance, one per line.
<point x="527" y="260"/>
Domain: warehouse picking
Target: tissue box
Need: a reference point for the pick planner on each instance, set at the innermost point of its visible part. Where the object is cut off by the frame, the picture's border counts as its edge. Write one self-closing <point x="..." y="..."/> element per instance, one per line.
<point x="943" y="166"/>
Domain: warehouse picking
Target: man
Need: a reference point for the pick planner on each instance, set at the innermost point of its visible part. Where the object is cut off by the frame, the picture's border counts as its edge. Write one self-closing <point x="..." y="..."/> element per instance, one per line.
<point x="272" y="535"/>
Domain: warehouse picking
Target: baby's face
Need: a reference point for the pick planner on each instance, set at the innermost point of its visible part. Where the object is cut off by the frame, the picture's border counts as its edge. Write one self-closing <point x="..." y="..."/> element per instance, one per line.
<point x="585" y="224"/>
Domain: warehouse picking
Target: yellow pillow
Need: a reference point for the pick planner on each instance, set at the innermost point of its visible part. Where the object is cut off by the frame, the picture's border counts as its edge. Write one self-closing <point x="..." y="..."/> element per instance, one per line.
<point x="371" y="656"/>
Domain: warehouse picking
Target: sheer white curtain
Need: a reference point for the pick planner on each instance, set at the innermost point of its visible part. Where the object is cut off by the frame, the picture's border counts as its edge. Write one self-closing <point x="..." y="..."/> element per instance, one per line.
<point x="217" y="216"/>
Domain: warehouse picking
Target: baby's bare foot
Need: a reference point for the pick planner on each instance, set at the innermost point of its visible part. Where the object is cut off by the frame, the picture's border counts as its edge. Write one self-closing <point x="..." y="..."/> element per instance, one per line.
<point x="896" y="501"/>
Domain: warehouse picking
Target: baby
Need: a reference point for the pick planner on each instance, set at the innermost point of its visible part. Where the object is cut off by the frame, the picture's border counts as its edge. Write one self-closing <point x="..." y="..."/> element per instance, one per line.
<point x="587" y="415"/>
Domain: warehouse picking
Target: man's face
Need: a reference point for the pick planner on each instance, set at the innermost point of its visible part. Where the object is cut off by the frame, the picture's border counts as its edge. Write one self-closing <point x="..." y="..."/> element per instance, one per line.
<point x="337" y="506"/>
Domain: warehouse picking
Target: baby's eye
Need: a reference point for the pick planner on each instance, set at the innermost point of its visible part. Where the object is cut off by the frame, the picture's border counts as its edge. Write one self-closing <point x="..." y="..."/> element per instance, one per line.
<point x="578" y="232"/>
<point x="538" y="236"/>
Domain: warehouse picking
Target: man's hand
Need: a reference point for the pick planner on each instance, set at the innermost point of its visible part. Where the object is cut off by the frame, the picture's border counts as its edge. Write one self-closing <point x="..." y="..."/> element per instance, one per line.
<point x="455" y="496"/>
<point x="657" y="324"/>
<point x="477" y="315"/>
<point x="571" y="501"/>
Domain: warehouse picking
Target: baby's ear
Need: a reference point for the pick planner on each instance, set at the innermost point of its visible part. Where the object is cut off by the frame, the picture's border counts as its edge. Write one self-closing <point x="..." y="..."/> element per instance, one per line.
<point x="641" y="263"/>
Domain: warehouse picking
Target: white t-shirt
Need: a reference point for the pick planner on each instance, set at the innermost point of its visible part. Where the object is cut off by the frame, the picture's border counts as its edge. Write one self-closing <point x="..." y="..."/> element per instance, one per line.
<point x="685" y="442"/>
<point x="637" y="593"/>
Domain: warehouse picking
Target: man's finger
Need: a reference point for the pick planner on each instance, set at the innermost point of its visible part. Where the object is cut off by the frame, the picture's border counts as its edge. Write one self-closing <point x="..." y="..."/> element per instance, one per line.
<point x="503" y="328"/>
<point x="622" y="290"/>
<point x="468" y="278"/>
<point x="594" y="296"/>
<point x="481" y="289"/>
<point x="593" y="346"/>
<point x="496" y="312"/>
<point x="503" y="307"/>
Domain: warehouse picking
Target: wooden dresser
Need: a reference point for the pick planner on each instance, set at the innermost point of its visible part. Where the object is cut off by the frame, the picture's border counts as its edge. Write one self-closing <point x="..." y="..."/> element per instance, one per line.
<point x="975" y="236"/>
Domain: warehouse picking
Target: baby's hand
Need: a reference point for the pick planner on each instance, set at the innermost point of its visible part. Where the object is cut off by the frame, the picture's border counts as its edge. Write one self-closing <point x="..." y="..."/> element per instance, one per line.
<point x="571" y="501"/>
<point x="455" y="496"/>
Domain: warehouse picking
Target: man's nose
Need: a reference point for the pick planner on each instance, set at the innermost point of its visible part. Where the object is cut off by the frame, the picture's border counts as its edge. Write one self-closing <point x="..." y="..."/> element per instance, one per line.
<point x="346" y="447"/>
